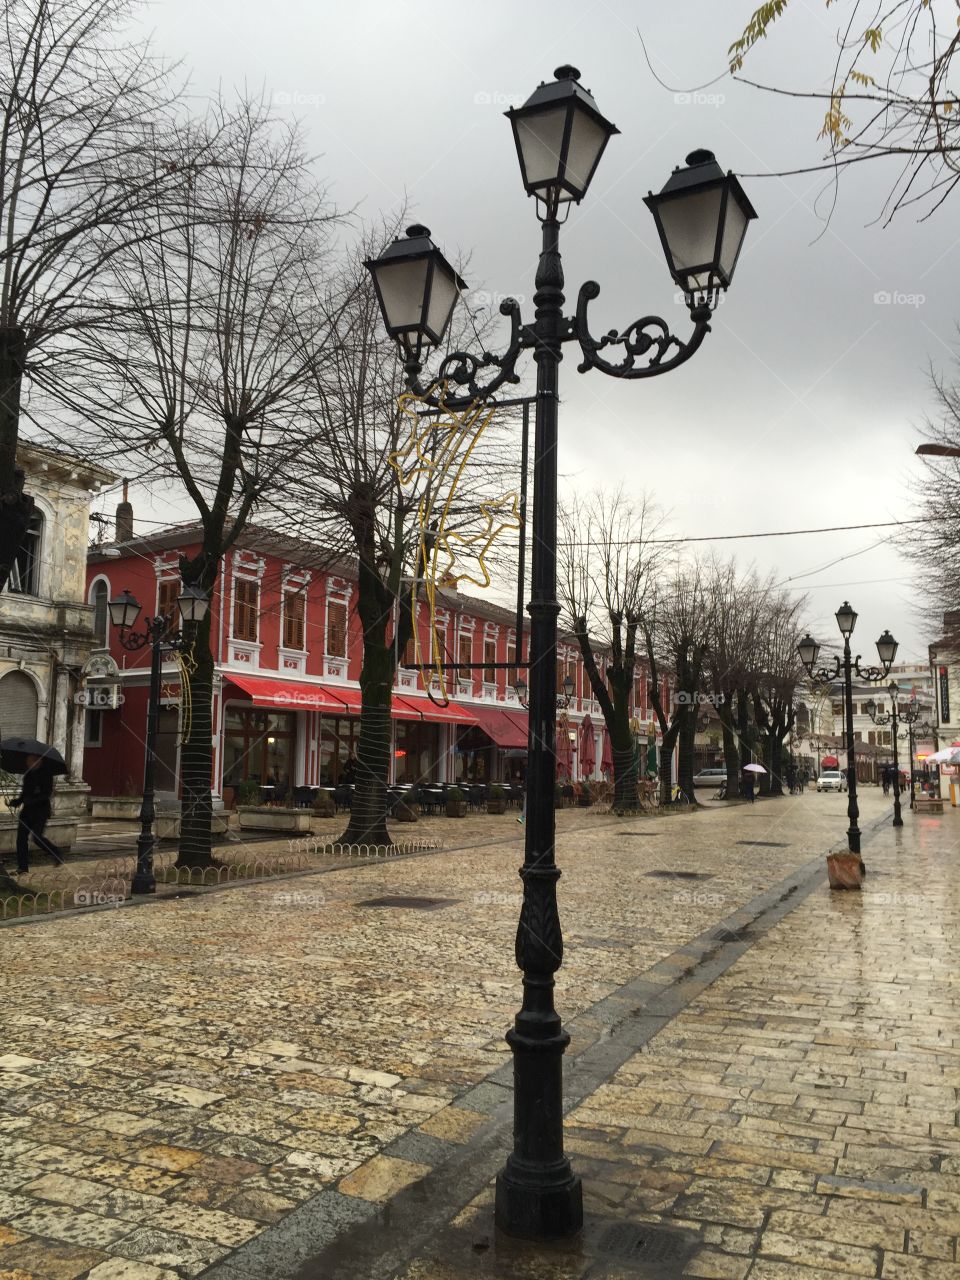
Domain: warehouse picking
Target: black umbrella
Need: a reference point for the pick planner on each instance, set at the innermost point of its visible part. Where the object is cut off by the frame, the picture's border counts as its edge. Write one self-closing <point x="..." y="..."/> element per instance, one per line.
<point x="14" y="752"/>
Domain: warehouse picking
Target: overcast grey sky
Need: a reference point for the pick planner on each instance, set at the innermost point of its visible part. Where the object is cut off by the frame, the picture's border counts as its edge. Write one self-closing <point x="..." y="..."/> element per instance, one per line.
<point x="799" y="411"/>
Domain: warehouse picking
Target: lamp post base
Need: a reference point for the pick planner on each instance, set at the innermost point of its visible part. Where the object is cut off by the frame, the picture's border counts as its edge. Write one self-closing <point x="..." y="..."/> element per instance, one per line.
<point x="539" y="1203"/>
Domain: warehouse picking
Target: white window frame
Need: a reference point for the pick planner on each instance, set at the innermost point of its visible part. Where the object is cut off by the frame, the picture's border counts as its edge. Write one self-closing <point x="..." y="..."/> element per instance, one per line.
<point x="101" y="577"/>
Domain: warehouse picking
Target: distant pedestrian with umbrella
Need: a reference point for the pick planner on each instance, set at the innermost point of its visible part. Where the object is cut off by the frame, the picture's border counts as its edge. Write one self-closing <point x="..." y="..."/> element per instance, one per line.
<point x="38" y="763"/>
<point x="748" y="781"/>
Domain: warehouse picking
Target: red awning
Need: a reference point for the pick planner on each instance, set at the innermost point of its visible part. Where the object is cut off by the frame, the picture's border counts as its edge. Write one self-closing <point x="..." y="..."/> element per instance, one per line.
<point x="452" y="713"/>
<point x="338" y="700"/>
<point x="403" y="708"/>
<point x="521" y="720"/>
<point x="499" y="726"/>
<point x="288" y="695"/>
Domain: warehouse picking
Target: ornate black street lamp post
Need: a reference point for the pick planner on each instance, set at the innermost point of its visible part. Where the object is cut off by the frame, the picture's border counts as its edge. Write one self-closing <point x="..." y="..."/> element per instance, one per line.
<point x="124" y="611"/>
<point x="910" y="715"/>
<point x="701" y="216"/>
<point x="809" y="651"/>
<point x="892" y="717"/>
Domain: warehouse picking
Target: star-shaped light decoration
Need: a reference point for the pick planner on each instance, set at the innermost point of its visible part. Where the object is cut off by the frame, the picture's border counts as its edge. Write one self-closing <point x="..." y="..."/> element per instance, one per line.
<point x="430" y="449"/>
<point x="460" y="549"/>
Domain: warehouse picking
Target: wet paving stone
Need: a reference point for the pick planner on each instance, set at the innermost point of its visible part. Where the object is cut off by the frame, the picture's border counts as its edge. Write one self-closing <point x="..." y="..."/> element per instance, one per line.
<point x="186" y="1076"/>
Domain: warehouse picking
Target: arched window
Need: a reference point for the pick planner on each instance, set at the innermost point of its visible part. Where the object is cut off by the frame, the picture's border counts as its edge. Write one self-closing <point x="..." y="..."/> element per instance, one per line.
<point x="18" y="705"/>
<point x="99" y="596"/>
<point x="25" y="575"/>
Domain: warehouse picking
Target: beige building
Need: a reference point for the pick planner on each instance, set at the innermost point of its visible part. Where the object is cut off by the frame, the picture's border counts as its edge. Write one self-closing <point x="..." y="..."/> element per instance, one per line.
<point x="47" y="626"/>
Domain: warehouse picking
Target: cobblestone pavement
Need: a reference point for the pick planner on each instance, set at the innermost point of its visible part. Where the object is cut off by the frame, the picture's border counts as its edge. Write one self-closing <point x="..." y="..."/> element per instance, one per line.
<point x="178" y="1075"/>
<point x="797" y="1119"/>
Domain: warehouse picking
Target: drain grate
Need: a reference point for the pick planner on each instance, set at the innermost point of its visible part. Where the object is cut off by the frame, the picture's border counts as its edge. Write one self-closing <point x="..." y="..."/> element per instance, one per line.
<point x="679" y="875"/>
<point x="765" y="844"/>
<point x="409" y="904"/>
<point x="645" y="1244"/>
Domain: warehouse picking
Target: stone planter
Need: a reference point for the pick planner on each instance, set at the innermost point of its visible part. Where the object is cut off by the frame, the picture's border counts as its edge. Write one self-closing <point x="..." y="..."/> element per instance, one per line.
<point x="166" y="824"/>
<point x="61" y="831"/>
<point x="115" y="808"/>
<point x="456" y="808"/>
<point x="845" y="870"/>
<point x="497" y="804"/>
<point x="261" y="818"/>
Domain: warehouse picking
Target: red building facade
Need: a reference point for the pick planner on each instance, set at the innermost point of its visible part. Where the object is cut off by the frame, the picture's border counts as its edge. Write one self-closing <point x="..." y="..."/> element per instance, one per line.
<point x="288" y="648"/>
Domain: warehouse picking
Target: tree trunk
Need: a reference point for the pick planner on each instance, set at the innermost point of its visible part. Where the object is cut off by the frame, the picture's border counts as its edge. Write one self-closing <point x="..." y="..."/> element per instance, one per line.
<point x="775" y="752"/>
<point x="16" y="507"/>
<point x="685" y="769"/>
<point x="731" y="758"/>
<point x="368" y="815"/>
<point x="196" y="753"/>
<point x="625" y="792"/>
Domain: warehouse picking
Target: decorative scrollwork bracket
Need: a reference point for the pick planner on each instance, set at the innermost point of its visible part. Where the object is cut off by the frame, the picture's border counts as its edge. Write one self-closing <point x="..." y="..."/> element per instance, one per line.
<point x="648" y="339"/>
<point x="462" y="369"/>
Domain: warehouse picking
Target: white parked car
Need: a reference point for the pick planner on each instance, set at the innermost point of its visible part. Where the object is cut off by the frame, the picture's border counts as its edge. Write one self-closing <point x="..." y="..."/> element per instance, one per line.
<point x="710" y="778"/>
<point x="831" y="780"/>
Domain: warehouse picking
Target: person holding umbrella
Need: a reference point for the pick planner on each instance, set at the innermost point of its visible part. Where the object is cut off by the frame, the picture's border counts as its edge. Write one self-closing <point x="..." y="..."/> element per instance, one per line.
<point x="749" y="780"/>
<point x="38" y="763"/>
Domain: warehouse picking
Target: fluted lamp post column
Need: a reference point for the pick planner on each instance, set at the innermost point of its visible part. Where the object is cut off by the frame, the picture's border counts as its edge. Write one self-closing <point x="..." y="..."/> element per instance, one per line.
<point x="701" y="216"/>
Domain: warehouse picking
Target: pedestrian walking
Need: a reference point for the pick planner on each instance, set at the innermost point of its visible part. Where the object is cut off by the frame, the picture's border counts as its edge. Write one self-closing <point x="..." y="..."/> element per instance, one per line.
<point x="35" y="805"/>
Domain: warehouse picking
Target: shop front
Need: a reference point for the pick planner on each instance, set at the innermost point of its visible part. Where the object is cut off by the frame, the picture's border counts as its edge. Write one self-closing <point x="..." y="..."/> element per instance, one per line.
<point x="259" y="746"/>
<point x="284" y="734"/>
<point x="494" y="749"/>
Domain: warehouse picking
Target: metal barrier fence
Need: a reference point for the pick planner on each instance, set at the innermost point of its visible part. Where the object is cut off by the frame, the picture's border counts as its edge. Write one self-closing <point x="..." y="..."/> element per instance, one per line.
<point x="317" y="846"/>
<point x="108" y="883"/>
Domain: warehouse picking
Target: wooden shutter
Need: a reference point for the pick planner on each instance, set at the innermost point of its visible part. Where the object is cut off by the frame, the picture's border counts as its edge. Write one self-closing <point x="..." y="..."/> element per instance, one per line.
<point x="293" y="619"/>
<point x="490" y="655"/>
<point x="246" y="600"/>
<point x="167" y="601"/>
<point x="336" y="629"/>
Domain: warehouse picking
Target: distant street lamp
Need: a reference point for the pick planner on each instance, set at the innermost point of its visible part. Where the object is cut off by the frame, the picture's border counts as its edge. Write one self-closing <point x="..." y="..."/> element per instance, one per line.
<point x="809" y="651"/>
<point x="701" y="216"/>
<point x="563" y="699"/>
<point x="192" y="604"/>
<point x="910" y="715"/>
<point x="892" y="717"/>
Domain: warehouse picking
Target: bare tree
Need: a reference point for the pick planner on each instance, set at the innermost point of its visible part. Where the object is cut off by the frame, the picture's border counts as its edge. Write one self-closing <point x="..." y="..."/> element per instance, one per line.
<point x="77" y="102"/>
<point x="932" y="540"/>
<point x="777" y="681"/>
<point x="676" y="630"/>
<point x="607" y="562"/>
<point x="735" y="645"/>
<point x="891" y="94"/>
<point x="373" y="486"/>
<point x="222" y="314"/>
